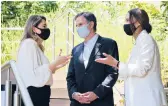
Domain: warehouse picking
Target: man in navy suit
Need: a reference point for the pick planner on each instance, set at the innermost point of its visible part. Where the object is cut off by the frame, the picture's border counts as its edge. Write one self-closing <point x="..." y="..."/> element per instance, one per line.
<point x="90" y="83"/>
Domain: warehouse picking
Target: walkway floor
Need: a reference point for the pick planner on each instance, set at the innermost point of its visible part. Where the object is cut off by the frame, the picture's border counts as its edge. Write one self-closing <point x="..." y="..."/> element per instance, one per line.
<point x="59" y="102"/>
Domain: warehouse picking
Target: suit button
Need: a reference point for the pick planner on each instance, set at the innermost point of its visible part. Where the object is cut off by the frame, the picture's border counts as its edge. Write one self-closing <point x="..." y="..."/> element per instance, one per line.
<point x="85" y="73"/>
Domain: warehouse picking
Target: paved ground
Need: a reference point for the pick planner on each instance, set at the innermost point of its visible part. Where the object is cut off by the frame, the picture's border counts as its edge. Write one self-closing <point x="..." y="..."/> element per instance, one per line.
<point x="59" y="102"/>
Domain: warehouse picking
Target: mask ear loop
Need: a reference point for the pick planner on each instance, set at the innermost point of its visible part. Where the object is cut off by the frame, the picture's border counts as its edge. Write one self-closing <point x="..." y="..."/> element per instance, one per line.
<point x="35" y="37"/>
<point x="132" y="24"/>
<point x="88" y="25"/>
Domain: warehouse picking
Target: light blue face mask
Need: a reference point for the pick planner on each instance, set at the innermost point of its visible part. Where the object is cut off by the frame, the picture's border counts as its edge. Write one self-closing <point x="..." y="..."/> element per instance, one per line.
<point x="83" y="31"/>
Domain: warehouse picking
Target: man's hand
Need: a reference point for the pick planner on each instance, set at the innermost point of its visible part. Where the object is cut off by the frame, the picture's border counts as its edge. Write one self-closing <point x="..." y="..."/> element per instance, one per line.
<point x="91" y="96"/>
<point x="80" y="98"/>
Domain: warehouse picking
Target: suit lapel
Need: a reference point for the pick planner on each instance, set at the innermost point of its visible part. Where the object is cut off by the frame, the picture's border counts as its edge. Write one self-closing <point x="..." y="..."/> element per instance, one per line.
<point x="80" y="57"/>
<point x="95" y="51"/>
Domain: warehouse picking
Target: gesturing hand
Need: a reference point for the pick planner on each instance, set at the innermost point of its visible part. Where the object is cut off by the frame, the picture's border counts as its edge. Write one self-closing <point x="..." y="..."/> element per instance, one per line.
<point x="59" y="62"/>
<point x="62" y="61"/>
<point x="109" y="60"/>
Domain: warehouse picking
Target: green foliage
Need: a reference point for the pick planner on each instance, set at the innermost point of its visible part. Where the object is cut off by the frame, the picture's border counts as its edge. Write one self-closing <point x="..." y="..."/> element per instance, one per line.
<point x="149" y="8"/>
<point x="19" y="11"/>
<point x="10" y="43"/>
<point x="164" y="4"/>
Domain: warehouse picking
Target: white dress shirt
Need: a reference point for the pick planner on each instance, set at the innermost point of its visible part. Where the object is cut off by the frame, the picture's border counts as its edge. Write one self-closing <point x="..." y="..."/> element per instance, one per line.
<point x="33" y="65"/>
<point x="88" y="47"/>
<point x="142" y="76"/>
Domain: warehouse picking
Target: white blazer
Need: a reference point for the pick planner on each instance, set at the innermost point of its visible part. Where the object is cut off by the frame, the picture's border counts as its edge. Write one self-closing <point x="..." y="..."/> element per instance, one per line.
<point x="142" y="76"/>
<point x="33" y="65"/>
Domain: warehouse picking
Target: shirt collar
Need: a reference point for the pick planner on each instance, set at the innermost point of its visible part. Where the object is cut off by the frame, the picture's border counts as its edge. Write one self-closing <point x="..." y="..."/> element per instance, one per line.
<point x="91" y="41"/>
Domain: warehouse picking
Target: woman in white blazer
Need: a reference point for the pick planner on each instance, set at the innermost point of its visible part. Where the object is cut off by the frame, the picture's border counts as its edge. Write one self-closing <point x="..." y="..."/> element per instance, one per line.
<point x="33" y="65"/>
<point x="143" y="85"/>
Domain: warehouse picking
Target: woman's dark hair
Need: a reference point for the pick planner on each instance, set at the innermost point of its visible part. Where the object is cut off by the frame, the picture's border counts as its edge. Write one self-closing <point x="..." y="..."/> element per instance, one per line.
<point x="89" y="17"/>
<point x="142" y="17"/>
<point x="33" y="20"/>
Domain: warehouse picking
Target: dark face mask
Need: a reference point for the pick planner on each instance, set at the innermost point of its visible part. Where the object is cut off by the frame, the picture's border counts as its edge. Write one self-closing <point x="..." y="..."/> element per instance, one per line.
<point x="127" y="29"/>
<point x="45" y="33"/>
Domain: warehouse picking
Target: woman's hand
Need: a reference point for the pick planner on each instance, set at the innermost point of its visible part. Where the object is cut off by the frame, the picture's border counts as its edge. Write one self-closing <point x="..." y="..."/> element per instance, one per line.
<point x="59" y="62"/>
<point x="109" y="60"/>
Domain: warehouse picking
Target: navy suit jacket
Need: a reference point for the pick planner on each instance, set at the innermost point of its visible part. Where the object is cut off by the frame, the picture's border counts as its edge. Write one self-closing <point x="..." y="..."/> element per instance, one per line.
<point x="99" y="78"/>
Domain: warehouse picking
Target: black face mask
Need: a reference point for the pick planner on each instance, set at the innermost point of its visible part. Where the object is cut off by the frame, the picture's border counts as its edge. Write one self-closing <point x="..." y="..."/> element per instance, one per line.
<point x="45" y="33"/>
<point x="127" y="29"/>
